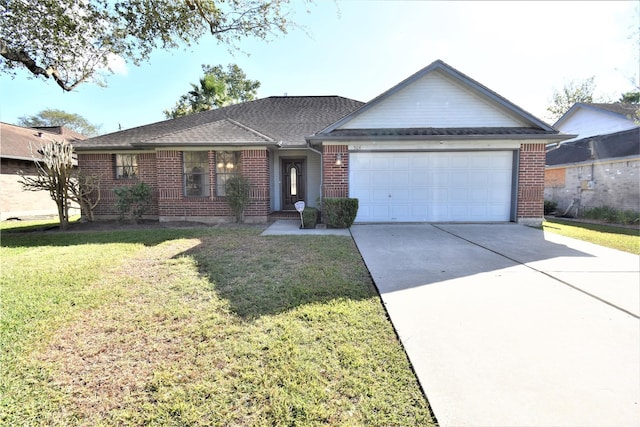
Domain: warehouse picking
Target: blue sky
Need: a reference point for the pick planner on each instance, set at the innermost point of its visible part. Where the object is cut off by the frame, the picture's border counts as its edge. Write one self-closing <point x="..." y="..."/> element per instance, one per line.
<point x="359" y="49"/>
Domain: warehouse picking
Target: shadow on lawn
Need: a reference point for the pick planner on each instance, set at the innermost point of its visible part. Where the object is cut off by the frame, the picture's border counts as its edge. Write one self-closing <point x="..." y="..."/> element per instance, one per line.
<point x="149" y="233"/>
<point x="257" y="275"/>
<point x="270" y="275"/>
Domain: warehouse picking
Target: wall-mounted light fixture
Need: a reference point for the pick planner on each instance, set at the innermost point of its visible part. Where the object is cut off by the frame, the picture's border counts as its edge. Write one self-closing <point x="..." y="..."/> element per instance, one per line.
<point x="339" y="159"/>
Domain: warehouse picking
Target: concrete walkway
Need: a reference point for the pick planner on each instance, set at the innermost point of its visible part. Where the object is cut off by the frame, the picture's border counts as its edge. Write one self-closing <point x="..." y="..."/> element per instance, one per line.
<point x="287" y="227"/>
<point x="508" y="326"/>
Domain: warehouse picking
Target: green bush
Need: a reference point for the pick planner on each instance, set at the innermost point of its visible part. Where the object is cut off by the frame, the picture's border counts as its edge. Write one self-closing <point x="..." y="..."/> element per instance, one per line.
<point x="550" y="207"/>
<point x="133" y="201"/>
<point x="238" y="194"/>
<point x="310" y="217"/>
<point x="612" y="215"/>
<point x="340" y="212"/>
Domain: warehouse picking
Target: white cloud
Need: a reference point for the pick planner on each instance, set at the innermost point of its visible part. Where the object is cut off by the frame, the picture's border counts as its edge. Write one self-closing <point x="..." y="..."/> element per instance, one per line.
<point x="117" y="65"/>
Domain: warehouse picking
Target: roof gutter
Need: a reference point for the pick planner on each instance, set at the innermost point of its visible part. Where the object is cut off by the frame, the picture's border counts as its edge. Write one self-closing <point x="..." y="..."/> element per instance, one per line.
<point x="547" y="137"/>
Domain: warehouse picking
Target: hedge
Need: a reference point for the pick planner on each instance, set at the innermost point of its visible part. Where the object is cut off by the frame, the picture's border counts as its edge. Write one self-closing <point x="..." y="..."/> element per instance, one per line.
<point x="340" y="212"/>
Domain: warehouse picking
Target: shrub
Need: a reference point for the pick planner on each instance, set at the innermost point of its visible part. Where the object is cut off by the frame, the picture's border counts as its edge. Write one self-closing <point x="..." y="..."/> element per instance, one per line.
<point x="238" y="194"/>
<point x="133" y="201"/>
<point x="309" y="217"/>
<point x="550" y="207"/>
<point x="612" y="215"/>
<point x="340" y="212"/>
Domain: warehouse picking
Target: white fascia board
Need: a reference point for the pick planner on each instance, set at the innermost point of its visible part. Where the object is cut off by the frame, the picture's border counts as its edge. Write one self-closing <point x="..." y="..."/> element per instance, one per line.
<point x="433" y="145"/>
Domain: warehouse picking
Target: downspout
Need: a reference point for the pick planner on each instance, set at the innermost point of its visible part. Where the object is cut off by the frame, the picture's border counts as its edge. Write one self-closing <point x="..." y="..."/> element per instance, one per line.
<point x="321" y="171"/>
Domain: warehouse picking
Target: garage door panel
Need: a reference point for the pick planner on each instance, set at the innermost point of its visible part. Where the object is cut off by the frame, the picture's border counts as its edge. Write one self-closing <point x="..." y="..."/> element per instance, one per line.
<point x="380" y="195"/>
<point x="419" y="162"/>
<point x="400" y="179"/>
<point x="432" y="186"/>
<point x="379" y="178"/>
<point x="458" y="179"/>
<point x="459" y="162"/>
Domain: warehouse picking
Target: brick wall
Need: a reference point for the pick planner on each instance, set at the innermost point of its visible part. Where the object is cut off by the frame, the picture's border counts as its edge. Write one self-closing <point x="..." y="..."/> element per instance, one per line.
<point x="162" y="171"/>
<point x="531" y="181"/>
<point x="615" y="184"/>
<point x="255" y="167"/>
<point x="173" y="204"/>
<point x="335" y="182"/>
<point x="102" y="166"/>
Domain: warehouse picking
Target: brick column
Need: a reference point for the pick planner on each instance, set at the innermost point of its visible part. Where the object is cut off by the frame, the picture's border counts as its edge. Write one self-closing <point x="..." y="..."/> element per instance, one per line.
<point x="531" y="184"/>
<point x="335" y="180"/>
<point x="169" y="166"/>
<point x="255" y="167"/>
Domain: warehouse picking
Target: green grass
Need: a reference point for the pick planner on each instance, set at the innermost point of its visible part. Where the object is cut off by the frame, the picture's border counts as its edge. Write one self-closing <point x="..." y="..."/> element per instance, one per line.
<point x="624" y="239"/>
<point x="196" y="327"/>
<point x="34" y="225"/>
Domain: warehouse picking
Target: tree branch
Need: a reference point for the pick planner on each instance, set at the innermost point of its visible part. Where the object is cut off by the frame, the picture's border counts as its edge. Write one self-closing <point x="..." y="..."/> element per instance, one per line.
<point x="23" y="58"/>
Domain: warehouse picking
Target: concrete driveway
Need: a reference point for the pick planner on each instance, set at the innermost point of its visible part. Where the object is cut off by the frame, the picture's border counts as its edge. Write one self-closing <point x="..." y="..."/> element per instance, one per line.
<point x="508" y="326"/>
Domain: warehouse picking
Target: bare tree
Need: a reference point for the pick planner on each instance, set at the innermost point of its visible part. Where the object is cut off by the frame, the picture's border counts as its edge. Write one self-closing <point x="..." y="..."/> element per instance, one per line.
<point x="85" y="191"/>
<point x="57" y="175"/>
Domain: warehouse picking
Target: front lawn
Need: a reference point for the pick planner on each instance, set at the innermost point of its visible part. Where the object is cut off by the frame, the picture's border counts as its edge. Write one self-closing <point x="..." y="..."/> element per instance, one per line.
<point x="199" y="326"/>
<point x="624" y="239"/>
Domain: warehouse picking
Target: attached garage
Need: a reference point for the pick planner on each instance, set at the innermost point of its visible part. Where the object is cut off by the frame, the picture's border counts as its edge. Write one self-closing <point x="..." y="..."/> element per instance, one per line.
<point x="474" y="186"/>
<point x="437" y="147"/>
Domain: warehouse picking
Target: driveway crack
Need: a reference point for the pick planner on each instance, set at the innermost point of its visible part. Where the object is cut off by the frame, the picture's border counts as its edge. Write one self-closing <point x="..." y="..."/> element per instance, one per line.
<point x="539" y="271"/>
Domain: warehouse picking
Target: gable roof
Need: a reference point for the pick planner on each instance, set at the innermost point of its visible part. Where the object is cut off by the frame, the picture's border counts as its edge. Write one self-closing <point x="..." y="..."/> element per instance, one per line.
<point x="225" y="131"/>
<point x="22" y="143"/>
<point x="615" y="109"/>
<point x="536" y="125"/>
<point x="265" y="121"/>
<point x="625" y="143"/>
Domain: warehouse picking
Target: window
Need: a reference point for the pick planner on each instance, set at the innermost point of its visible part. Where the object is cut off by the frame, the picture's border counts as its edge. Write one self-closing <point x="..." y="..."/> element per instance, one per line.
<point x="227" y="164"/>
<point x="196" y="173"/>
<point x="126" y="166"/>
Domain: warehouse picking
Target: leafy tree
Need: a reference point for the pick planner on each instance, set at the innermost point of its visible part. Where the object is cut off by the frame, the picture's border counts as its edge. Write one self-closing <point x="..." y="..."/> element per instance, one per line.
<point x="572" y="92"/>
<point x="51" y="117"/>
<point x="217" y="88"/>
<point x="57" y="175"/>
<point x="631" y="97"/>
<point x="72" y="41"/>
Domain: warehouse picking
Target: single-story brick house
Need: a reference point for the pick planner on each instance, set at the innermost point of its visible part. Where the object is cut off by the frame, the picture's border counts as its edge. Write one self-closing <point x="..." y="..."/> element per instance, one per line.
<point x="601" y="165"/>
<point x="18" y="151"/>
<point x="438" y="146"/>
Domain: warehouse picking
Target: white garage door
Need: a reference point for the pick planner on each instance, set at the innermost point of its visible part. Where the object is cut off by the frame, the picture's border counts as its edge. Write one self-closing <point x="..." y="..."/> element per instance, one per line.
<point x="432" y="186"/>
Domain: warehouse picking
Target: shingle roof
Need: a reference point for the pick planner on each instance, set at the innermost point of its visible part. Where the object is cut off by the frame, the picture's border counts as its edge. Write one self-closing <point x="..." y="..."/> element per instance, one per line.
<point x="223" y="131"/>
<point x="288" y="119"/>
<point x="435" y="132"/>
<point x="615" y="145"/>
<point x="22" y="143"/>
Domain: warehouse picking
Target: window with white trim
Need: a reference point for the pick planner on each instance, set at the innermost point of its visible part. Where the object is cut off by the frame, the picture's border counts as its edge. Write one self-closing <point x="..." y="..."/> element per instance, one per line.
<point x="196" y="173"/>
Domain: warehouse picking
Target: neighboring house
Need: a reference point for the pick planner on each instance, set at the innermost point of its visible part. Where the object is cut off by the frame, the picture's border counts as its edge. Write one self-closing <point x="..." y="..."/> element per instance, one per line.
<point x="18" y="148"/>
<point x="601" y="165"/>
<point x="438" y="146"/>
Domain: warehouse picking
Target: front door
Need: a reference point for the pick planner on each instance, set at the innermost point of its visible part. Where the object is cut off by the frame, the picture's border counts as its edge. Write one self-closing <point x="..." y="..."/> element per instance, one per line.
<point x="293" y="184"/>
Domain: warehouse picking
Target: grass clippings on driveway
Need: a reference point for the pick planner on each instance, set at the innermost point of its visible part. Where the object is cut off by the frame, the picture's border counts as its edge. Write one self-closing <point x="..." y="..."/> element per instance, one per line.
<point x="197" y="327"/>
